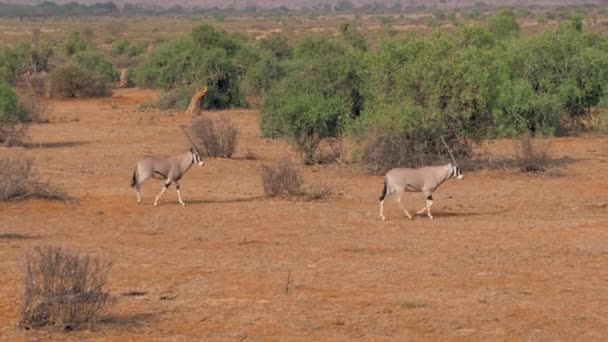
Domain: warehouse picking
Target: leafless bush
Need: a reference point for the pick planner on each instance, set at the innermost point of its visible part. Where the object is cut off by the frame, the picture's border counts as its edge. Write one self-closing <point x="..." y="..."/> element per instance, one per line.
<point x="284" y="179"/>
<point x="216" y="139"/>
<point x="13" y="133"/>
<point x="18" y="180"/>
<point x="37" y="107"/>
<point x="329" y="152"/>
<point x="63" y="289"/>
<point x="531" y="156"/>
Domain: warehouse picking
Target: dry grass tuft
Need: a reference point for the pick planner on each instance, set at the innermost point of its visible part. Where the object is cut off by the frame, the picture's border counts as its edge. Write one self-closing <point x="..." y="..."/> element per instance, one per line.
<point x="215" y="139"/>
<point x="284" y="179"/>
<point x="13" y="133"/>
<point x="63" y="289"/>
<point x="19" y="180"/>
<point x="317" y="192"/>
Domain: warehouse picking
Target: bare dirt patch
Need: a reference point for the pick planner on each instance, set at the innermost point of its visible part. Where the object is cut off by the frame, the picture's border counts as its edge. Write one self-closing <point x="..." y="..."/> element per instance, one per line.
<point x="509" y="255"/>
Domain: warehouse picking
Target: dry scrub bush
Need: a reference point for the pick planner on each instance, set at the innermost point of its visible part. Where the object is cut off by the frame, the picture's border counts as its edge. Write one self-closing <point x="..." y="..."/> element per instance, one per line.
<point x="38" y="108"/>
<point x="63" y="289"/>
<point x="284" y="179"/>
<point x="13" y="133"/>
<point x="216" y="139"/>
<point x="317" y="192"/>
<point x="531" y="156"/>
<point x="18" y="180"/>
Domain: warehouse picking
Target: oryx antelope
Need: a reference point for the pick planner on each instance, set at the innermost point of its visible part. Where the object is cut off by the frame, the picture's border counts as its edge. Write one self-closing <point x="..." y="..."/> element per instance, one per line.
<point x="171" y="169"/>
<point x="424" y="179"/>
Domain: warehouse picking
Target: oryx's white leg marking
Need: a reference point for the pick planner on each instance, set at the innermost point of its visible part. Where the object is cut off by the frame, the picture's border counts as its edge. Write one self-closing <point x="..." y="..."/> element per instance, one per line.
<point x="429" y="204"/>
<point x="382" y="210"/>
<point x="138" y="197"/>
<point x="401" y="193"/>
<point x="161" y="193"/>
<point x="179" y="195"/>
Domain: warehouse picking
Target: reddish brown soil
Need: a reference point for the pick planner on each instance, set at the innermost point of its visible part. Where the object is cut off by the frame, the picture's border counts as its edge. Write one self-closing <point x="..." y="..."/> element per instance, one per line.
<point x="509" y="256"/>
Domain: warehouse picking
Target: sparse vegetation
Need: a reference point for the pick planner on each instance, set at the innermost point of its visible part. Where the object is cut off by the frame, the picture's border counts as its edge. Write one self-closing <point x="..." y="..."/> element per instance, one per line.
<point x="530" y="155"/>
<point x="63" y="289"/>
<point x="285" y="179"/>
<point x="216" y="138"/>
<point x="19" y="180"/>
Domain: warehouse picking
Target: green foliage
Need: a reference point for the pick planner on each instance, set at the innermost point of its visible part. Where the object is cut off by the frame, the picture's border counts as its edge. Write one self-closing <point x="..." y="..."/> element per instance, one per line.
<point x="277" y="45"/>
<point x="317" y="97"/>
<point x="207" y="57"/>
<point x="503" y="25"/>
<point x="96" y="65"/>
<point x="13" y="62"/>
<point x="9" y="108"/>
<point x="74" y="44"/>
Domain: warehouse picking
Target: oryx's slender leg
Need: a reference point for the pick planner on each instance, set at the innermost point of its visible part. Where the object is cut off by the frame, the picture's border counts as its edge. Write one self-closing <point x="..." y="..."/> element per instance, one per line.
<point x="138" y="196"/>
<point x="382" y="210"/>
<point x="161" y="193"/>
<point x="179" y="195"/>
<point x="429" y="203"/>
<point x="407" y="213"/>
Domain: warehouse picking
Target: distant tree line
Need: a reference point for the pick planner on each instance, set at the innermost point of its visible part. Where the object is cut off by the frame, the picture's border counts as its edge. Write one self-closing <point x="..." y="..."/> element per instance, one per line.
<point x="109" y="8"/>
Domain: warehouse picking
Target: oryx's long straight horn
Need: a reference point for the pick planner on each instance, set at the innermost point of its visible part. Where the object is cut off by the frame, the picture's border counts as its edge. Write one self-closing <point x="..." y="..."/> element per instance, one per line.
<point x="424" y="179"/>
<point x="171" y="170"/>
<point x="449" y="150"/>
<point x="189" y="137"/>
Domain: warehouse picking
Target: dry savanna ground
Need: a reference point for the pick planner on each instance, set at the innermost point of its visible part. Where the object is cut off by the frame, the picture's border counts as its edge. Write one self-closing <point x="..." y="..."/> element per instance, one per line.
<point x="509" y="256"/>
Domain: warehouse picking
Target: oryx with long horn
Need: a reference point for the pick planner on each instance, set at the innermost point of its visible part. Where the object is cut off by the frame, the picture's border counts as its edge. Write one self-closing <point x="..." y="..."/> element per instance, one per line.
<point x="424" y="179"/>
<point x="170" y="169"/>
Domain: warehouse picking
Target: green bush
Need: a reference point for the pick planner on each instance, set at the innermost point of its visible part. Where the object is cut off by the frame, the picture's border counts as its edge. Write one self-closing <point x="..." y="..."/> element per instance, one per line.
<point x="503" y="25"/>
<point x="74" y="44"/>
<point x="317" y="97"/>
<point x="9" y="109"/>
<point x="207" y="57"/>
<point x="72" y="80"/>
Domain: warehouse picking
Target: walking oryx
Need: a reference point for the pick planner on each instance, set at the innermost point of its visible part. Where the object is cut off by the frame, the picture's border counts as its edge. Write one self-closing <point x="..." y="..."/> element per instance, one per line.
<point x="171" y="169"/>
<point x="424" y="179"/>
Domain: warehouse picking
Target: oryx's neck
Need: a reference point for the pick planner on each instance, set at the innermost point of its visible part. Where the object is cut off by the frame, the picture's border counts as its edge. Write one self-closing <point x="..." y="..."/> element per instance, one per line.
<point x="185" y="161"/>
<point x="444" y="174"/>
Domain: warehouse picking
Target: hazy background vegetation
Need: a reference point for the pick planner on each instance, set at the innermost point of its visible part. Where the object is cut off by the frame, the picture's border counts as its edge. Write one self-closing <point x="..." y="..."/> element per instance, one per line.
<point x="392" y="78"/>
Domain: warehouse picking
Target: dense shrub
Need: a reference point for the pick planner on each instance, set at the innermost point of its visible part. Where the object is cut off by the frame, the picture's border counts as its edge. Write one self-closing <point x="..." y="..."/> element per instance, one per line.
<point x="63" y="289"/>
<point x="317" y="97"/>
<point x="14" y="117"/>
<point x="123" y="47"/>
<point x="74" y="44"/>
<point x="88" y="75"/>
<point x="206" y="57"/>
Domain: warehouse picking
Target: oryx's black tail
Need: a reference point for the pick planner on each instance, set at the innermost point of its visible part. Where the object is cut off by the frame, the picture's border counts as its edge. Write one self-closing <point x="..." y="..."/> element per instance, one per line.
<point x="383" y="192"/>
<point x="134" y="179"/>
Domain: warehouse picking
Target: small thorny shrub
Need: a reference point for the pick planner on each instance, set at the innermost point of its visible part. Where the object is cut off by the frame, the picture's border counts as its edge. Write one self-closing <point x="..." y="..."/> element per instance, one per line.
<point x="215" y="138"/>
<point x="63" y="289"/>
<point x="531" y="156"/>
<point x="19" y="180"/>
<point x="285" y="179"/>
